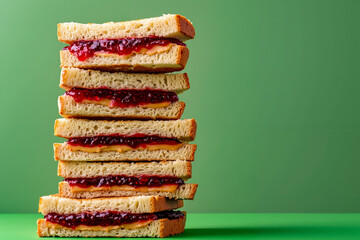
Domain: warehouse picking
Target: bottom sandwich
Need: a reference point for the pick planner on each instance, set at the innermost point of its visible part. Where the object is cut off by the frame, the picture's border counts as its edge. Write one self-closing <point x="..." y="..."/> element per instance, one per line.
<point x="157" y="228"/>
<point x="110" y="217"/>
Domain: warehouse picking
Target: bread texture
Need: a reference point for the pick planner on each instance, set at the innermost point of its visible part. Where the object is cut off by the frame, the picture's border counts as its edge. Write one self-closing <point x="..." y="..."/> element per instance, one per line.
<point x="169" y="25"/>
<point x="68" y="107"/>
<point x="85" y="78"/>
<point x="171" y="60"/>
<point x="157" y="228"/>
<point x="180" y="169"/>
<point x="185" y="152"/>
<point x="184" y="130"/>
<point x="137" y="204"/>
<point x="185" y="191"/>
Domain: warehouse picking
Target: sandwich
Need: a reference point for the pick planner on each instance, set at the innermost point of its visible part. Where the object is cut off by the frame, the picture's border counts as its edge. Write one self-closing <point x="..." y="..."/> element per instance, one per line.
<point x="98" y="94"/>
<point x="122" y="179"/>
<point x="140" y="216"/>
<point x="104" y="140"/>
<point x="147" y="45"/>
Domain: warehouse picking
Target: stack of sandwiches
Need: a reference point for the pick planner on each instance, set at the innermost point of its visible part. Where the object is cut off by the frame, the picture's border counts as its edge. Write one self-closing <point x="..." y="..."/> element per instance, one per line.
<point x="127" y="155"/>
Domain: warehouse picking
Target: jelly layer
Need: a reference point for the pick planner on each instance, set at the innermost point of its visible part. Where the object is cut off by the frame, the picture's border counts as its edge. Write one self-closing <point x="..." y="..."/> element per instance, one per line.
<point x="109" y="218"/>
<point x="122" y="98"/>
<point x="163" y="188"/>
<point x="140" y="181"/>
<point x="124" y="46"/>
<point x="133" y="141"/>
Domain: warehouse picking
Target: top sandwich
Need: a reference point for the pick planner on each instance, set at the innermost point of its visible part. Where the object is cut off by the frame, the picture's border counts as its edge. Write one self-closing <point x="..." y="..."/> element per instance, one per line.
<point x="147" y="45"/>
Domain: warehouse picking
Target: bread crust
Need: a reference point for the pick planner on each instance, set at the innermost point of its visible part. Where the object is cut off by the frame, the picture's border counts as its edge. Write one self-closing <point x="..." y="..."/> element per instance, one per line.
<point x="70" y="109"/>
<point x="182" y="57"/>
<point x="185" y="26"/>
<point x="193" y="129"/>
<point x="164" y="227"/>
<point x="193" y="191"/>
<point x="193" y="150"/>
<point x="179" y="55"/>
<point x="187" y="80"/>
<point x="172" y="227"/>
<point x="186" y="191"/>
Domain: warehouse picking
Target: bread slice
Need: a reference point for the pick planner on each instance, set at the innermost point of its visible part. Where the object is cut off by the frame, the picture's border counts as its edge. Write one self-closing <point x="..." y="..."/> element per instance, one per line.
<point x="69" y="108"/>
<point x="84" y="78"/>
<point x="137" y="204"/>
<point x="185" y="191"/>
<point x="157" y="228"/>
<point x="185" y="152"/>
<point x="184" y="130"/>
<point x="180" y="169"/>
<point x="173" y="59"/>
<point x="169" y="25"/>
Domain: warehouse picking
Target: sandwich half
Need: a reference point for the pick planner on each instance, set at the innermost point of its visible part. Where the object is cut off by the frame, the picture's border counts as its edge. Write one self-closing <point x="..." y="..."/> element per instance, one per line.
<point x="121" y="179"/>
<point x="104" y="140"/>
<point x="97" y="94"/>
<point x="141" y="216"/>
<point x="147" y="45"/>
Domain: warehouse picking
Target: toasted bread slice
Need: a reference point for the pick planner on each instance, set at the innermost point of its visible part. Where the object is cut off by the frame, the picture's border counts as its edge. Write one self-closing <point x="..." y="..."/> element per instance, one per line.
<point x="185" y="191"/>
<point x="170" y="25"/>
<point x="173" y="59"/>
<point x="140" y="204"/>
<point x="68" y="107"/>
<point x="185" y="152"/>
<point x="85" y="78"/>
<point x="184" y="130"/>
<point x="180" y="169"/>
<point x="157" y="228"/>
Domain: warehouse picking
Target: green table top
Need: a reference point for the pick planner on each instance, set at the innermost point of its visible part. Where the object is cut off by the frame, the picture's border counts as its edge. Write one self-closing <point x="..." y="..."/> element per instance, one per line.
<point x="226" y="226"/>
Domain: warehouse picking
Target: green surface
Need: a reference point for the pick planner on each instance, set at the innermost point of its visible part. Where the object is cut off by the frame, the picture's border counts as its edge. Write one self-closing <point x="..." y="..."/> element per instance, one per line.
<point x="274" y="88"/>
<point x="226" y="226"/>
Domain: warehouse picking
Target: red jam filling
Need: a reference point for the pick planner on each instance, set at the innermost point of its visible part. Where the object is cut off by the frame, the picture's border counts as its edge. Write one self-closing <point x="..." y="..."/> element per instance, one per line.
<point x="108" y="181"/>
<point x="123" y="46"/>
<point x="122" y="98"/>
<point x="133" y="141"/>
<point x="109" y="218"/>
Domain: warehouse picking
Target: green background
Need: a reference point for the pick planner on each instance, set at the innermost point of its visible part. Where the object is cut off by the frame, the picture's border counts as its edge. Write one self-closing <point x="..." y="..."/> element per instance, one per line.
<point x="274" y="88"/>
<point x="244" y="226"/>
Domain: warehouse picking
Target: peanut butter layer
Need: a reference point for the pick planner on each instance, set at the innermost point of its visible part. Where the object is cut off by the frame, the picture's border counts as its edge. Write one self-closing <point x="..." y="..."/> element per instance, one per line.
<point x="100" y="228"/>
<point x="164" y="188"/>
<point x="123" y="148"/>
